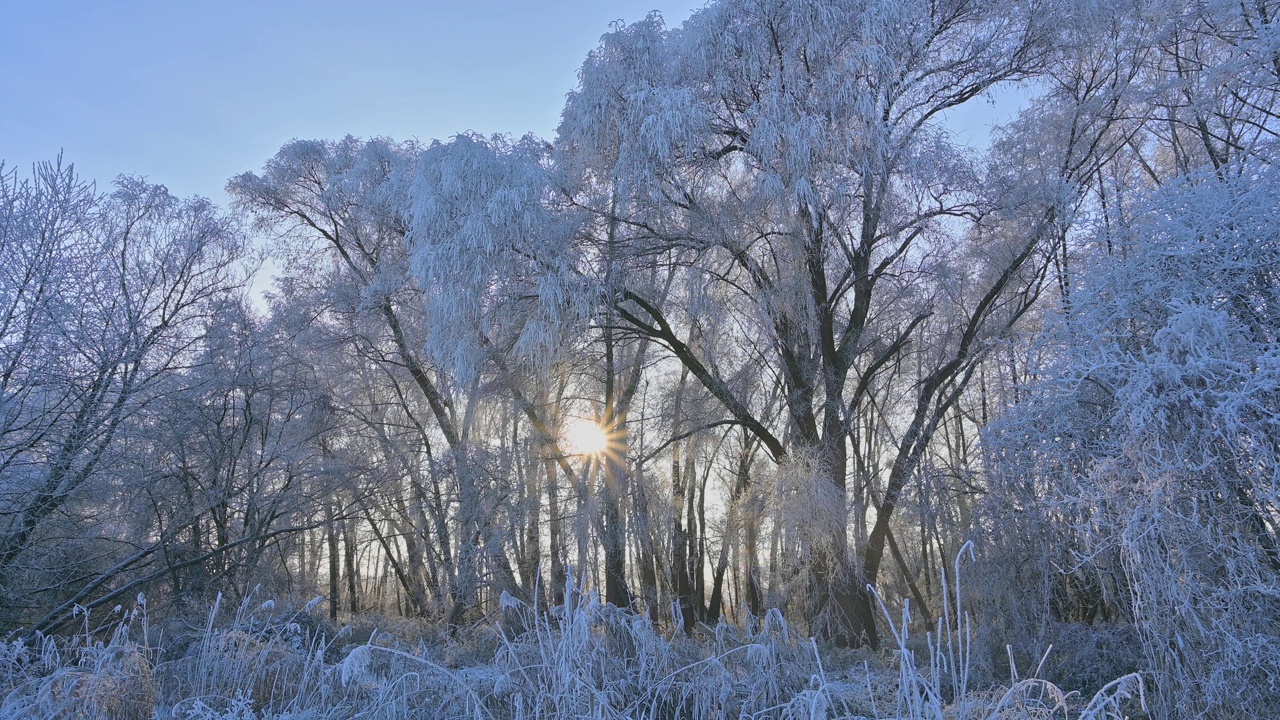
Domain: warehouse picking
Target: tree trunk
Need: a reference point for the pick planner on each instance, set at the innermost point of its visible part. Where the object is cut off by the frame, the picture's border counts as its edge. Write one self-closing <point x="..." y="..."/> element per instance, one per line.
<point x="335" y="569"/>
<point x="353" y="572"/>
<point x="558" y="575"/>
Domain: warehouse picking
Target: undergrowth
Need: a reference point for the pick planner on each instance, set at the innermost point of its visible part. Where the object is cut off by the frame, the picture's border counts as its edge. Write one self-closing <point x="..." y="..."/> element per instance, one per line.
<point x="584" y="659"/>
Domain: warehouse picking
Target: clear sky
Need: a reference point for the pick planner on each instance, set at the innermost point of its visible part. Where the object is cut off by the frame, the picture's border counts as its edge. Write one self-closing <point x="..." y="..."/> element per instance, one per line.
<point x="191" y="92"/>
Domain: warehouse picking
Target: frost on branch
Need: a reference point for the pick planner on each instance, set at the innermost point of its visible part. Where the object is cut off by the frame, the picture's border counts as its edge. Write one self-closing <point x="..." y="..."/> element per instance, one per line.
<point x="497" y="264"/>
<point x="1155" y="434"/>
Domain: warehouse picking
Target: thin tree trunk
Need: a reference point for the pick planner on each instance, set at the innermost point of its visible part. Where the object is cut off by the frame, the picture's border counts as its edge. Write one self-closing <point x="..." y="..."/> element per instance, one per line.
<point x="335" y="570"/>
<point x="353" y="573"/>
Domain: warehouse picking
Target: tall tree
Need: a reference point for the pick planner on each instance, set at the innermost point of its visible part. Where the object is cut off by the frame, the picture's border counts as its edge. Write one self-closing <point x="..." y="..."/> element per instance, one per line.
<point x="344" y="200"/>
<point x="104" y="298"/>
<point x="788" y="156"/>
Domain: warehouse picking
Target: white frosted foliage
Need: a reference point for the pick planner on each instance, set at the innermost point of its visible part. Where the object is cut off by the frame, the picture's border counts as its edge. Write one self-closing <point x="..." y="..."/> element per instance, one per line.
<point x="496" y="262"/>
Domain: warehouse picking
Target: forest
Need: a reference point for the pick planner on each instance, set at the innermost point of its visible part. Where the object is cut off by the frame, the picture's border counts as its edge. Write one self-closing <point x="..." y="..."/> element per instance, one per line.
<point x="759" y="390"/>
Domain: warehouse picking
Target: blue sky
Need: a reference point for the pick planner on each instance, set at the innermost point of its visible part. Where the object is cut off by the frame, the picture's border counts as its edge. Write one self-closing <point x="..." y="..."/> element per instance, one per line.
<point x="191" y="92"/>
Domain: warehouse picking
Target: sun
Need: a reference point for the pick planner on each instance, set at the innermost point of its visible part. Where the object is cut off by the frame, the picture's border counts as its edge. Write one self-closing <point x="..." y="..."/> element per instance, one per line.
<point x="584" y="437"/>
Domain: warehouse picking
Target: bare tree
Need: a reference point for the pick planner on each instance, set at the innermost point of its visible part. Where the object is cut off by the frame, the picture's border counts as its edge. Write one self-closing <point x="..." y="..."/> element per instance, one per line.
<point x="105" y="297"/>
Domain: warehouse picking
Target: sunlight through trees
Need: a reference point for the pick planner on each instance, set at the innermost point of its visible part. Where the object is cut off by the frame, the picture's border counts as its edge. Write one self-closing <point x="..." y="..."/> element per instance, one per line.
<point x="752" y="351"/>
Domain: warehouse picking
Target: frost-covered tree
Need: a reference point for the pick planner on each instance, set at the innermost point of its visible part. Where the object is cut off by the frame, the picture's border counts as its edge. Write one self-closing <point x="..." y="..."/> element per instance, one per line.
<point x="511" y="289"/>
<point x="786" y="160"/>
<point x="103" y="300"/>
<point x="444" y="268"/>
<point x="236" y="445"/>
<point x="339" y="209"/>
<point x="1148" y="451"/>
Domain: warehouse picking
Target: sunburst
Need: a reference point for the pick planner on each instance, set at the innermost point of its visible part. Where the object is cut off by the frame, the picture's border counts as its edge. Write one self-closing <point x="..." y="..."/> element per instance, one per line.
<point x="581" y="436"/>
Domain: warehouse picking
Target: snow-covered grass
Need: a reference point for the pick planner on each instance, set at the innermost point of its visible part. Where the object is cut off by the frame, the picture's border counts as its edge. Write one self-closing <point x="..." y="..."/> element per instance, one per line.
<point x="584" y="659"/>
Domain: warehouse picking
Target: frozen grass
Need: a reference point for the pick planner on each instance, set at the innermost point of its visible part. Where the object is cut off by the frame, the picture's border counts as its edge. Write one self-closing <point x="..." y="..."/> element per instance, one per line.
<point x="580" y="660"/>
